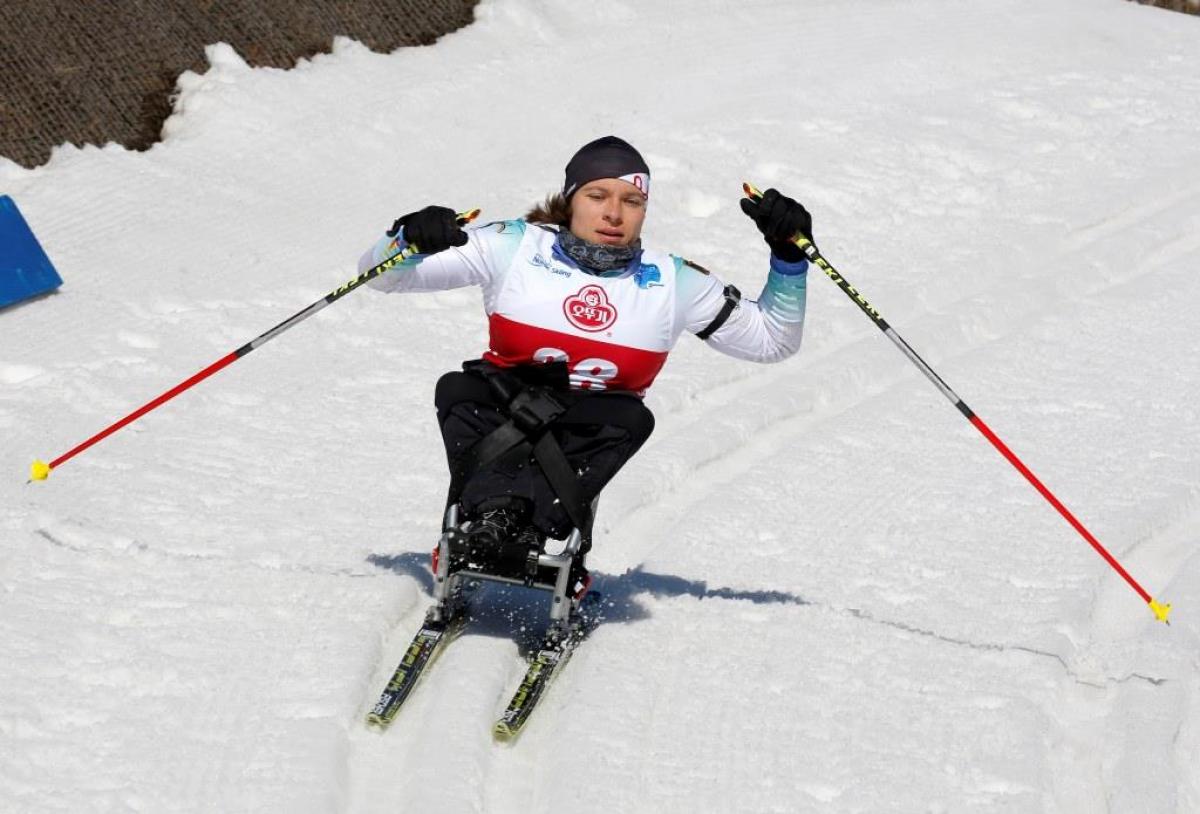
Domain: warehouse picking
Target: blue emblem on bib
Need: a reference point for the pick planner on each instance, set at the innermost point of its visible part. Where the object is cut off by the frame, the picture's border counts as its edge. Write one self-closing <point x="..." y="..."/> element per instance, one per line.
<point x="648" y="276"/>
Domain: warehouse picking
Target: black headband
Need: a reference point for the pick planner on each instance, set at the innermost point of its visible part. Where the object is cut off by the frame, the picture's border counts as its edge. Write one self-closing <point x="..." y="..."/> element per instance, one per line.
<point x="607" y="157"/>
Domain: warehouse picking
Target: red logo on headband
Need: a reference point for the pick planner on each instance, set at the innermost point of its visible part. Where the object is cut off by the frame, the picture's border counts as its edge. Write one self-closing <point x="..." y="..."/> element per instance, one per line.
<point x="590" y="310"/>
<point x="640" y="180"/>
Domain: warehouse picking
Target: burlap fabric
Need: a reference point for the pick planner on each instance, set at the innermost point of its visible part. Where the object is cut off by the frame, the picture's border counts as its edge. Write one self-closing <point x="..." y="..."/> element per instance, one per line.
<point x="93" y="72"/>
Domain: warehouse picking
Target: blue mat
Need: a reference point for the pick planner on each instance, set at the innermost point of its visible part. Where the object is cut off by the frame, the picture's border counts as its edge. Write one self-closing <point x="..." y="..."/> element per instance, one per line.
<point x="25" y="270"/>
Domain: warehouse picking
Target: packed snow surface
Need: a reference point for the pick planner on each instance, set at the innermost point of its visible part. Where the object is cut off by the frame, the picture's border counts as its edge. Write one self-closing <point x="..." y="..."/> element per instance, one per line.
<point x="824" y="590"/>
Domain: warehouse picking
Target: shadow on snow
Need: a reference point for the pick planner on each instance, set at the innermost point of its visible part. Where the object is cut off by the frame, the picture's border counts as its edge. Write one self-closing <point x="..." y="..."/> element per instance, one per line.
<point x="520" y="613"/>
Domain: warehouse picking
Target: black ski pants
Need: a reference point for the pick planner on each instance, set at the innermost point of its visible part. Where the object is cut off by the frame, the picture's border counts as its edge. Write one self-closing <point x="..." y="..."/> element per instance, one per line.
<point x="598" y="433"/>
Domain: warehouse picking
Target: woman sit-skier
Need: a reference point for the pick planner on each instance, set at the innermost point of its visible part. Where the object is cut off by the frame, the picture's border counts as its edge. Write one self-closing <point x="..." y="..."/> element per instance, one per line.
<point x="581" y="319"/>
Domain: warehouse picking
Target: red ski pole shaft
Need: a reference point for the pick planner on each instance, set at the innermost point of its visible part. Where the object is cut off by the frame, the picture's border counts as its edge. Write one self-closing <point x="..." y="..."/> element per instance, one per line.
<point x="1160" y="610"/>
<point x="41" y="470"/>
<point x="139" y="412"/>
<point x="1057" y="504"/>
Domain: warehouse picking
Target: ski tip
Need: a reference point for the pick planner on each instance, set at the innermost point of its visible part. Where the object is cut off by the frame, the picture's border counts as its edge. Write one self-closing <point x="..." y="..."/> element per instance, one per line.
<point x="466" y="217"/>
<point x="1161" y="611"/>
<point x="751" y="191"/>
<point x="39" y="470"/>
<point x="503" y="732"/>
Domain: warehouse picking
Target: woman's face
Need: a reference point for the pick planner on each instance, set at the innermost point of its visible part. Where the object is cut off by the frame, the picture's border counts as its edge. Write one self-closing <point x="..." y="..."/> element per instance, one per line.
<point x="608" y="211"/>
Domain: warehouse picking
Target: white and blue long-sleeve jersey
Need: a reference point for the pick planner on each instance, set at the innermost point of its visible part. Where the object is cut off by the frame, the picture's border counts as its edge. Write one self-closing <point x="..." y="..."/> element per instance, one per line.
<point x="613" y="329"/>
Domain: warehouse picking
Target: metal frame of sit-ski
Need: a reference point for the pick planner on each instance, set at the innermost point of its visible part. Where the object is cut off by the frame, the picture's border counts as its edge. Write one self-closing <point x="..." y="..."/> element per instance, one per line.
<point x="447" y="585"/>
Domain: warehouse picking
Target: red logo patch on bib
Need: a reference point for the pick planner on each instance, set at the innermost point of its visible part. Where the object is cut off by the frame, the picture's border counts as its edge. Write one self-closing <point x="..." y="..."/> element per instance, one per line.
<point x="590" y="310"/>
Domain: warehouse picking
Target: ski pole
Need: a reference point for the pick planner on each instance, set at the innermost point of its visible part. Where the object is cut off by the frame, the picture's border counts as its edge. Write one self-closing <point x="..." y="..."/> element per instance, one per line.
<point x="41" y="470"/>
<point x="1160" y="610"/>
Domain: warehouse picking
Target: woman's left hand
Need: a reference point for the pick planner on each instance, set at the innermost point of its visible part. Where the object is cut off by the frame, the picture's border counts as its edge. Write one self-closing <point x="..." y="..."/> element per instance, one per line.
<point x="780" y="218"/>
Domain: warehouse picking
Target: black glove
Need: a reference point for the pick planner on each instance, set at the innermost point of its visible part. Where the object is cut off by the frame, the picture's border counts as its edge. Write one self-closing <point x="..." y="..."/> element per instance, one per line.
<point x="433" y="229"/>
<point x="780" y="218"/>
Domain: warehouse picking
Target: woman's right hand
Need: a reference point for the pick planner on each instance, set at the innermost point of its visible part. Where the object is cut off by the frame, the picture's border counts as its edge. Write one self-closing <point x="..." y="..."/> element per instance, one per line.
<point x="431" y="230"/>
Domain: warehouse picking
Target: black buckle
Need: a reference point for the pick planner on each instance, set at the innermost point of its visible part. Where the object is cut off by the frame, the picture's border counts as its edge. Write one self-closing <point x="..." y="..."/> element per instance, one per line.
<point x="534" y="408"/>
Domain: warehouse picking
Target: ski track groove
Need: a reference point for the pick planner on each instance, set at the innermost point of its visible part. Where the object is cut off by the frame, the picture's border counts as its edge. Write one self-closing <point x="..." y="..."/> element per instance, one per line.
<point x="866" y="616"/>
<point x="1186" y="199"/>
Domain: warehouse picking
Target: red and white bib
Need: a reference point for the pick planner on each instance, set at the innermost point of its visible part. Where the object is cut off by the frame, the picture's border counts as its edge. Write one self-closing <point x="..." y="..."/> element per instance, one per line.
<point x="614" y="333"/>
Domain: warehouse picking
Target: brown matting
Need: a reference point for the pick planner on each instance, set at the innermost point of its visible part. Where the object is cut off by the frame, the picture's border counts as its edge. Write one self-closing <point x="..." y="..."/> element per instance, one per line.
<point x="99" y="71"/>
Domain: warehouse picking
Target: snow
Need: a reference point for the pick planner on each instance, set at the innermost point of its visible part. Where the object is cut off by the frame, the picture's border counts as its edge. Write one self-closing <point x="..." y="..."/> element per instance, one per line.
<point x="825" y="591"/>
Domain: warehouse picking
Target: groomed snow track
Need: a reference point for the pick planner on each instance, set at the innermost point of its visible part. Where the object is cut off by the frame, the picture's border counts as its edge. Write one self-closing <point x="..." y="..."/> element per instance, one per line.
<point x="825" y="592"/>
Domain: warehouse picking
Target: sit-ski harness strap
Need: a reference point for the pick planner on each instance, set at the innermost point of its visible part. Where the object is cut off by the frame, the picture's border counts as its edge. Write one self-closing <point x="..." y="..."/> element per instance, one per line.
<point x="531" y="409"/>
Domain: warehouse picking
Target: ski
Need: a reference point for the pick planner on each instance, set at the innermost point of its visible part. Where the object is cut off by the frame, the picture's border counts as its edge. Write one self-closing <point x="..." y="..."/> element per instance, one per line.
<point x="430" y="640"/>
<point x="574" y="614"/>
<point x="555" y="651"/>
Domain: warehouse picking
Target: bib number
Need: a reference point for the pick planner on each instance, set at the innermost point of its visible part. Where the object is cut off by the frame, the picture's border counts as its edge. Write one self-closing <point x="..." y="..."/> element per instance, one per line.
<point x="589" y="374"/>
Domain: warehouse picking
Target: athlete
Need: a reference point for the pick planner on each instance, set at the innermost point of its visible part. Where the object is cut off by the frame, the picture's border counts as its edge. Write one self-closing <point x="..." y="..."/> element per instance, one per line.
<point x="581" y="319"/>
